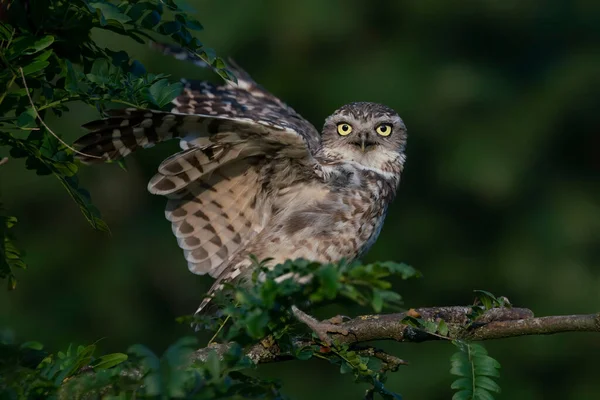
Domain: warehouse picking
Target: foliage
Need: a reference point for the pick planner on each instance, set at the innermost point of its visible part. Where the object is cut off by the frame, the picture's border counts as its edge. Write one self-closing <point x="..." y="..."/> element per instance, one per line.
<point x="26" y="371"/>
<point x="260" y="310"/>
<point x="10" y="256"/>
<point x="49" y="60"/>
<point x="254" y="308"/>
<point x="44" y="70"/>
<point x="475" y="370"/>
<point x="29" y="372"/>
<point x="484" y="301"/>
<point x="251" y="313"/>
<point x="474" y="367"/>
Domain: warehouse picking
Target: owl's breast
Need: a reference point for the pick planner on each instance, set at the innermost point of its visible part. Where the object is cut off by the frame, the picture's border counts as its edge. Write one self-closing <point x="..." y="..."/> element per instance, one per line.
<point x="325" y="221"/>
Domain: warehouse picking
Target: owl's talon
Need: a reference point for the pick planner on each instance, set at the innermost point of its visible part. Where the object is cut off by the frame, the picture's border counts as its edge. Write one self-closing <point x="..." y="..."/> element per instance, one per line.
<point x="321" y="328"/>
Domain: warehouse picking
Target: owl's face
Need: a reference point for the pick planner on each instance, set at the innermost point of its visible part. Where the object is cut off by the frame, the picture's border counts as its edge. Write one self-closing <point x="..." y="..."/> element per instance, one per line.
<point x="370" y="134"/>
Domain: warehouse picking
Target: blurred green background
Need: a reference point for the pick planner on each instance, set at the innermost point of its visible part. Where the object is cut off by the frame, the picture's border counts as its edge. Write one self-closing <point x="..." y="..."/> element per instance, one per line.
<point x="501" y="189"/>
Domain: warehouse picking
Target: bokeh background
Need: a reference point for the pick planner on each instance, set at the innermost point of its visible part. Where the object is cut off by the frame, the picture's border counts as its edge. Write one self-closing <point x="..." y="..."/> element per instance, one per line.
<point x="501" y="189"/>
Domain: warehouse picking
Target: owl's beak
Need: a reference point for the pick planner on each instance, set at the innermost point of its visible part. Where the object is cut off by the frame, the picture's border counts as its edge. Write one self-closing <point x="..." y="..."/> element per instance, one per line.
<point x="366" y="145"/>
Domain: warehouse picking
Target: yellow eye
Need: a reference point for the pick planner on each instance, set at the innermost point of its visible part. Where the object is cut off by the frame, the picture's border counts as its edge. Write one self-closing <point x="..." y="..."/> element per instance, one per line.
<point x="384" y="129"/>
<point x="344" y="129"/>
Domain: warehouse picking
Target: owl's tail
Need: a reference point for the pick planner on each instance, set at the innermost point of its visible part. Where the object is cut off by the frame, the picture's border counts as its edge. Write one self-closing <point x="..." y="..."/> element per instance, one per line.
<point x="125" y="131"/>
<point x="208" y="308"/>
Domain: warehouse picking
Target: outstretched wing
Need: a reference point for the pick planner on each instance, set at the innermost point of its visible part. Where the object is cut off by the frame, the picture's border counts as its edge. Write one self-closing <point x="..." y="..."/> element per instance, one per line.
<point x="215" y="184"/>
<point x="236" y="99"/>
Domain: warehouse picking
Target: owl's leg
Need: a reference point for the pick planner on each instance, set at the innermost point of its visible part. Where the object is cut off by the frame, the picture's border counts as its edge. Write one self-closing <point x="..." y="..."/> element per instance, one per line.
<point x="321" y="328"/>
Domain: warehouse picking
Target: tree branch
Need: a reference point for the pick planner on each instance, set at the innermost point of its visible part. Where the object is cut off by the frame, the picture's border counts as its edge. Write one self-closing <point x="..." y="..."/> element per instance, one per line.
<point x="496" y="323"/>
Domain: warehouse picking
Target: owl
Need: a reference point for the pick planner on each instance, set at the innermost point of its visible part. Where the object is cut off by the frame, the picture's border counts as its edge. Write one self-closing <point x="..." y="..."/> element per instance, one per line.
<point x="255" y="178"/>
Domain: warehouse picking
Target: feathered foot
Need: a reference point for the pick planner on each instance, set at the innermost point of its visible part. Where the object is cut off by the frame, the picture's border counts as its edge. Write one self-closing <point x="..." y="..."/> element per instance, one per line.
<point x="321" y="328"/>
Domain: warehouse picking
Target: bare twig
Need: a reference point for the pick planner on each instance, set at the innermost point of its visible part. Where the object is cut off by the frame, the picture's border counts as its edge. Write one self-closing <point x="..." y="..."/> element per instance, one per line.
<point x="3" y="160"/>
<point x="37" y="114"/>
<point x="389" y="362"/>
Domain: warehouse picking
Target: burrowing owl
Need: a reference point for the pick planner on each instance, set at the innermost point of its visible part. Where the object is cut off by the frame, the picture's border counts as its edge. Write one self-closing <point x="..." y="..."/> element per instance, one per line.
<point x="254" y="177"/>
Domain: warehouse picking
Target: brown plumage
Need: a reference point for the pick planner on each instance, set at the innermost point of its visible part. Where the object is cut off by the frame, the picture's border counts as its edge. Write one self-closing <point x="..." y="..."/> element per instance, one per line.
<point x="254" y="177"/>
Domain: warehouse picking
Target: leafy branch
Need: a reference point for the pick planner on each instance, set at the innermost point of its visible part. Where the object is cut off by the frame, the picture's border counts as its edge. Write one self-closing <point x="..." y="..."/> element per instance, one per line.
<point x="394" y="327"/>
<point x="48" y="61"/>
<point x="260" y="323"/>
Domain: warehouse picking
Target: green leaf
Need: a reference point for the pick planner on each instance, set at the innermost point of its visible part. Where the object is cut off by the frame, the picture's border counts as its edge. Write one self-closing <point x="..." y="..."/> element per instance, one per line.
<point x="189" y="22"/>
<point x="429" y="326"/>
<point x="10" y="256"/>
<point x="162" y="92"/>
<point x="104" y="74"/>
<point x="213" y="364"/>
<point x="257" y="323"/>
<point x="304" y="355"/>
<point x="170" y="27"/>
<point x="377" y="301"/>
<point x="72" y="78"/>
<point x="329" y="280"/>
<point x="110" y="12"/>
<point x="474" y="367"/>
<point x="44" y="56"/>
<point x="481" y="394"/>
<point x="488" y="384"/>
<point x="82" y="198"/>
<point x="487" y="299"/>
<point x="442" y="328"/>
<point x="150" y="360"/>
<point x="27" y="45"/>
<point x="463" y="395"/>
<point x="34" y="67"/>
<point x="462" y="383"/>
<point x="345" y="368"/>
<point x="6" y="31"/>
<point x="32" y="345"/>
<point x="108" y="361"/>
<point x="27" y="119"/>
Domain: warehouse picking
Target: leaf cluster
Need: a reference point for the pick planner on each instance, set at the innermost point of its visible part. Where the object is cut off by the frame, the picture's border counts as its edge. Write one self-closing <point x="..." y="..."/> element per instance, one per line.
<point x="48" y="60"/>
<point x="258" y="311"/>
<point x="10" y="256"/>
<point x="262" y="307"/>
<point x="26" y="371"/>
<point x="253" y="311"/>
<point x="365" y="368"/>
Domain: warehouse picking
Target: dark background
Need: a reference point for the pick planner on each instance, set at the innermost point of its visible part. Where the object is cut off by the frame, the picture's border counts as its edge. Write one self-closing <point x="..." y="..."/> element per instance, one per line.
<point x="500" y="190"/>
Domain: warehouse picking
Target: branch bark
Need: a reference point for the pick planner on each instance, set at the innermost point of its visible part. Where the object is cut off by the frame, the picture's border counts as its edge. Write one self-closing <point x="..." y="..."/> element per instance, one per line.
<point x="496" y="323"/>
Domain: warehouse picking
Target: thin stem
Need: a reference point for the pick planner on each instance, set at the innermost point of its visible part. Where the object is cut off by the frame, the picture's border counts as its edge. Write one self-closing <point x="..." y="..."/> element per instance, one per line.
<point x="37" y="114"/>
<point x="8" y="85"/>
<point x="212" y="339"/>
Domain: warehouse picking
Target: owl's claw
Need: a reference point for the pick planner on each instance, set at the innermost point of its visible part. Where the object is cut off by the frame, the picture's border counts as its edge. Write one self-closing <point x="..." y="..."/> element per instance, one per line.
<point x="321" y="328"/>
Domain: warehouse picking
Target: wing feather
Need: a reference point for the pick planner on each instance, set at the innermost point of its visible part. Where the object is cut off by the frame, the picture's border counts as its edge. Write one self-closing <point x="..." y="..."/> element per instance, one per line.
<point x="217" y="215"/>
<point x="228" y="134"/>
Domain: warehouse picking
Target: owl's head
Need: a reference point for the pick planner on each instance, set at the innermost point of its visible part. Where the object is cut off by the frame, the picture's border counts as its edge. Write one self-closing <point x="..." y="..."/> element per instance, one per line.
<point x="370" y="134"/>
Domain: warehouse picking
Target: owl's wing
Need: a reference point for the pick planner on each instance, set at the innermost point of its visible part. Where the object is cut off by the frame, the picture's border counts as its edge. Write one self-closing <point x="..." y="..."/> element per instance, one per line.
<point x="214" y="185"/>
<point x="244" y="98"/>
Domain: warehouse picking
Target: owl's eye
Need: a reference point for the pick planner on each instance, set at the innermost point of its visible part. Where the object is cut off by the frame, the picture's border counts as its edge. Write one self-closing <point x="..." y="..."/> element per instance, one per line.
<point x="384" y="129"/>
<point x="344" y="129"/>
